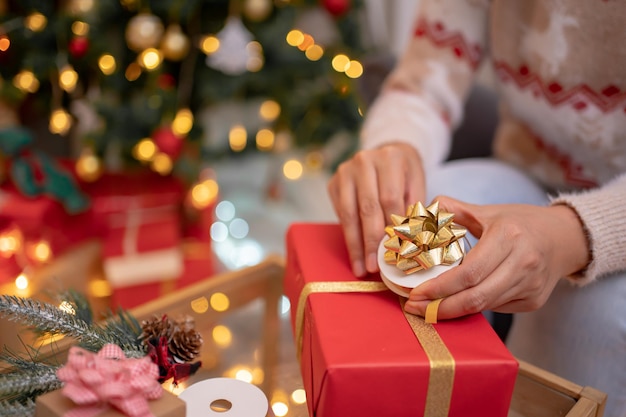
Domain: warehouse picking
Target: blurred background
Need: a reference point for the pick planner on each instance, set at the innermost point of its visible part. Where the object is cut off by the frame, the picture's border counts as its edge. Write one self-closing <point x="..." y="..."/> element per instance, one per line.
<point x="172" y="139"/>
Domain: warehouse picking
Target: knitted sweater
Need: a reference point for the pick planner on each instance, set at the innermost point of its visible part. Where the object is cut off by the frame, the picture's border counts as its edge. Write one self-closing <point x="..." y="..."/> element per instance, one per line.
<point x="561" y="75"/>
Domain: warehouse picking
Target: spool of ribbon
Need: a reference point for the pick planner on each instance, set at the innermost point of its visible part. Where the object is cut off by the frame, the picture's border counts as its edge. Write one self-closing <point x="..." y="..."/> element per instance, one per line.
<point x="424" y="238"/>
<point x="107" y="379"/>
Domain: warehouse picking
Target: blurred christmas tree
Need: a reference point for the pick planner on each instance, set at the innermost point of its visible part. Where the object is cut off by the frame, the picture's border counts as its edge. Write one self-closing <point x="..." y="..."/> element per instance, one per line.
<point x="174" y="84"/>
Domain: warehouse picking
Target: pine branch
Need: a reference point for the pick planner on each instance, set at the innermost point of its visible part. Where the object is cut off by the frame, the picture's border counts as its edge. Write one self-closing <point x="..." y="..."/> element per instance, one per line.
<point x="25" y="384"/>
<point x="17" y="409"/>
<point x="80" y="304"/>
<point x="126" y="329"/>
<point x="50" y="319"/>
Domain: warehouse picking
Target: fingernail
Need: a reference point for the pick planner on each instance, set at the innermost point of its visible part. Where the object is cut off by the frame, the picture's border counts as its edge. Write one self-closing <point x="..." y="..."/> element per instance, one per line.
<point x="416" y="307"/>
<point x="372" y="262"/>
<point x="358" y="269"/>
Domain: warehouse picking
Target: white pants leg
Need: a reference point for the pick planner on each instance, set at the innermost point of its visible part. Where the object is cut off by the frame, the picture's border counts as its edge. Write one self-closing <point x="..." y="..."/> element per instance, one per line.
<point x="580" y="333"/>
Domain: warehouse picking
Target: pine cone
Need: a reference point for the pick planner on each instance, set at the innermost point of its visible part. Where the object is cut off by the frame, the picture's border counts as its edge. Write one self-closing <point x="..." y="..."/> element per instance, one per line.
<point x="157" y="327"/>
<point x="185" y="344"/>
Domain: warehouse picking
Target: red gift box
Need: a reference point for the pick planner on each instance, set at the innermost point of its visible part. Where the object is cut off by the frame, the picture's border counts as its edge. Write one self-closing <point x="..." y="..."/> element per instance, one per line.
<point x="38" y="219"/>
<point x="360" y="355"/>
<point x="140" y="216"/>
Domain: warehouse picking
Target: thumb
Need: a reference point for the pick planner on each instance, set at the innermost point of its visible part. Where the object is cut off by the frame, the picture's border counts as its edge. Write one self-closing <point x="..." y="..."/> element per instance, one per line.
<point x="465" y="214"/>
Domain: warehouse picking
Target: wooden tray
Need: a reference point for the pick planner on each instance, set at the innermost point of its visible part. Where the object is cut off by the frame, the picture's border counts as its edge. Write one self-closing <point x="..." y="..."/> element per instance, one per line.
<point x="537" y="393"/>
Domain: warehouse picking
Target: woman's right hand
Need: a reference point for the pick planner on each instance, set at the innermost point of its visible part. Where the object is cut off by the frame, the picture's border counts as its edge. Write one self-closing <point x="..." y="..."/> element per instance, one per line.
<point x="367" y="189"/>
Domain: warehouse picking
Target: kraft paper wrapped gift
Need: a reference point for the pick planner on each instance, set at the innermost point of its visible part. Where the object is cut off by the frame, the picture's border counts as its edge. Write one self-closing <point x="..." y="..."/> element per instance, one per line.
<point x="55" y="404"/>
<point x="360" y="354"/>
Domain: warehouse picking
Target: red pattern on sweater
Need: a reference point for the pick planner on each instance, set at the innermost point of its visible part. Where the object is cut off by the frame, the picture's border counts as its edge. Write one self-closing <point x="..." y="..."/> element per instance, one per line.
<point x="579" y="96"/>
<point x="443" y="38"/>
<point x="573" y="172"/>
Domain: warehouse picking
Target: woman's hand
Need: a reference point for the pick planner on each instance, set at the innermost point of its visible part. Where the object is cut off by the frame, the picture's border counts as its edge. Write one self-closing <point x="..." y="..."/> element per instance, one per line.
<point x="367" y="189"/>
<point x="522" y="253"/>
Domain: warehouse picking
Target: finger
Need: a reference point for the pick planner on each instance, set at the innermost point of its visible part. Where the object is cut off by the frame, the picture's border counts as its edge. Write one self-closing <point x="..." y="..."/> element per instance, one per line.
<point x="487" y="295"/>
<point x="396" y="191"/>
<point x="478" y="264"/>
<point x="344" y="198"/>
<point x="371" y="216"/>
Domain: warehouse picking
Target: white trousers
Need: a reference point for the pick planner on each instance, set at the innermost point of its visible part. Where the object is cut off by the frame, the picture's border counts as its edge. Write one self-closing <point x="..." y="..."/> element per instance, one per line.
<point x="580" y="333"/>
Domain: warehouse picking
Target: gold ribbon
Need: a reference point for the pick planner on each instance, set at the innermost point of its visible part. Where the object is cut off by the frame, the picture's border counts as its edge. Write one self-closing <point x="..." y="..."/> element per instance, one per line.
<point x="442" y="364"/>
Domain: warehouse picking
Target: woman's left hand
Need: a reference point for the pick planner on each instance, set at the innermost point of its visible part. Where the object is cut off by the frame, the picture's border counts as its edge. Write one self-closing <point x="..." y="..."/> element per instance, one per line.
<point x="521" y="254"/>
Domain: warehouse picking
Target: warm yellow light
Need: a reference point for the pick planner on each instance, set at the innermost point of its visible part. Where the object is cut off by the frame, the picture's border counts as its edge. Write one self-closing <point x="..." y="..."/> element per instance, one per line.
<point x="307" y="42"/>
<point x="41" y="251"/>
<point x="68" y="78"/>
<point x="360" y="110"/>
<point x="237" y="138"/>
<point x="36" y="22"/>
<point x="269" y="110"/>
<point x="295" y="37"/>
<point x="162" y="163"/>
<point x="80" y="28"/>
<point x="280" y="409"/>
<point x="265" y="139"/>
<point x="144" y="150"/>
<point x="355" y="70"/>
<point x="133" y="71"/>
<point x="26" y="81"/>
<point x="200" y="305"/>
<point x="5" y="43"/>
<point x="244" y="375"/>
<point x="219" y="302"/>
<point x="209" y="44"/>
<point x="183" y="122"/>
<point x="107" y="64"/>
<point x="298" y="396"/>
<point x="100" y="288"/>
<point x="340" y="63"/>
<point x="222" y="335"/>
<point x="314" y="52"/>
<point x="10" y="242"/>
<point x="150" y="59"/>
<point x="60" y="122"/>
<point x="255" y="61"/>
<point x="204" y="193"/>
<point x="21" y="282"/>
<point x="88" y="166"/>
<point x="67" y="307"/>
<point x="292" y="169"/>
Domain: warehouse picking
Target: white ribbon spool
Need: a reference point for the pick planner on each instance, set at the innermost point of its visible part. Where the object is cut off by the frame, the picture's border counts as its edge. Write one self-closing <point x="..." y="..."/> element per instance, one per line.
<point x="224" y="397"/>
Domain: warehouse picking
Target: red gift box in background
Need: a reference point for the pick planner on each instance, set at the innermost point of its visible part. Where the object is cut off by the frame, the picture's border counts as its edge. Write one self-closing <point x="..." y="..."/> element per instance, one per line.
<point x="148" y="241"/>
<point x="34" y="220"/>
<point x="359" y="356"/>
<point x="146" y="250"/>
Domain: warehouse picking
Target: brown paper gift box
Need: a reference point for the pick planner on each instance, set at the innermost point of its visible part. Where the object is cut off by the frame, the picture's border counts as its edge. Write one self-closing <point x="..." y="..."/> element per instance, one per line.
<point x="55" y="404"/>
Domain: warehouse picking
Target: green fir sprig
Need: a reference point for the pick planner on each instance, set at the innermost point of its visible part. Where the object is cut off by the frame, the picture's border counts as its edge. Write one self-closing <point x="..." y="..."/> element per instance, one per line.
<point x="25" y="384"/>
<point x="48" y="318"/>
<point x="17" y="409"/>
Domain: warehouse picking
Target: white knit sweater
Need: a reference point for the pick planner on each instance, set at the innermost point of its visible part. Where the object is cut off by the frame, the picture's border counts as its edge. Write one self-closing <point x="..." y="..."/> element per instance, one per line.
<point x="561" y="76"/>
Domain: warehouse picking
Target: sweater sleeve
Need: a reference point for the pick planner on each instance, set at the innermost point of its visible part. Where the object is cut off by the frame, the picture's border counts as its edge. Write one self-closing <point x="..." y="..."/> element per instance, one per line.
<point x="602" y="212"/>
<point x="421" y="100"/>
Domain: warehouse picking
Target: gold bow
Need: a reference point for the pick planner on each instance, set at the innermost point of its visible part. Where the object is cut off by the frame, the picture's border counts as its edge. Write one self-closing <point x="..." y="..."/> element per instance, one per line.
<point x="425" y="237"/>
